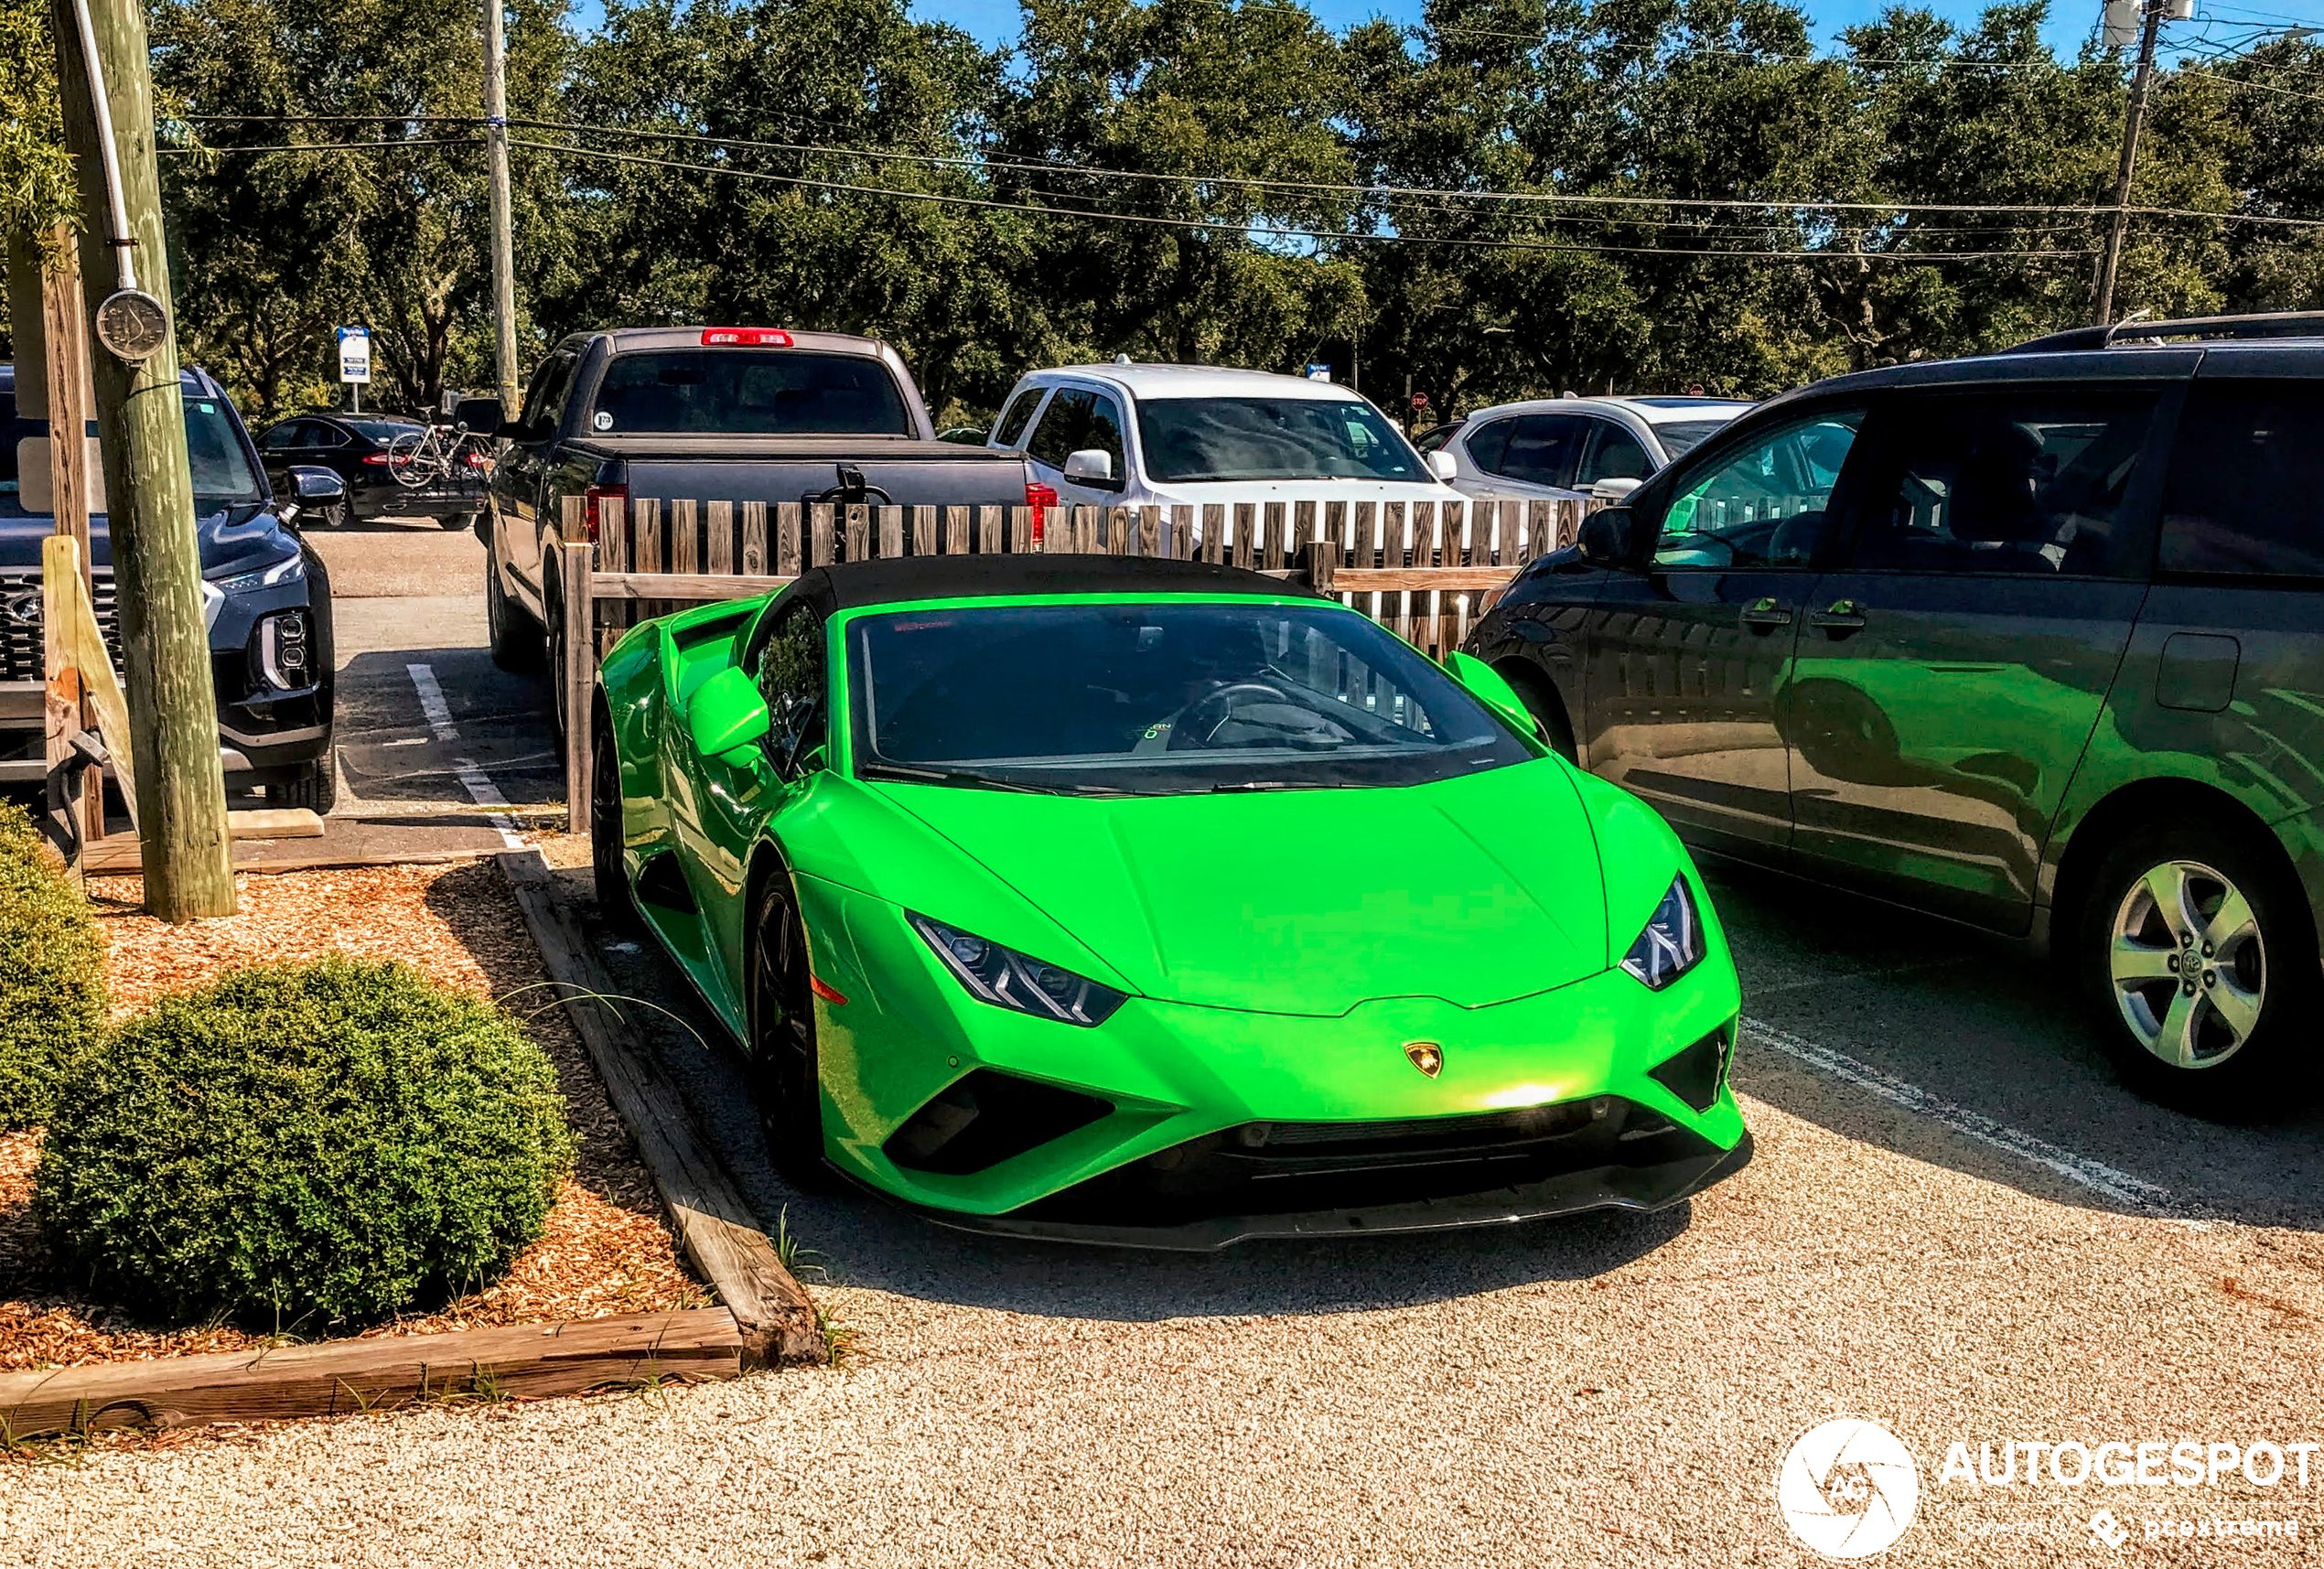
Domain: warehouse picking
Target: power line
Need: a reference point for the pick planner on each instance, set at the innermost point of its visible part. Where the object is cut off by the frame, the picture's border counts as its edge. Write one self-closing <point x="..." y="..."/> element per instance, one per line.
<point x="1285" y="233"/>
<point x="330" y="147"/>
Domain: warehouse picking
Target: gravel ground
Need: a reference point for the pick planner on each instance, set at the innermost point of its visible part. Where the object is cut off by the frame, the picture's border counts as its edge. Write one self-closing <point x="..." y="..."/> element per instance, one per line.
<point x="1616" y="1391"/>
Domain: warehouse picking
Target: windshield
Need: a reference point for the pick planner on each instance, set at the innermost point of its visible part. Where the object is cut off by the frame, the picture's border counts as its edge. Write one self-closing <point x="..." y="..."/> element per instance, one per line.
<point x="1678" y="436"/>
<point x="1193" y="439"/>
<point x="222" y="471"/>
<point x="1158" y="699"/>
<point x="748" y="391"/>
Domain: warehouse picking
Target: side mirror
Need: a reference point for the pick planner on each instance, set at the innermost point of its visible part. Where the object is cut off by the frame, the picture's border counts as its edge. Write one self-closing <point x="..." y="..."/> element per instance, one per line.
<point x="1092" y="465"/>
<point x="316" y="487"/>
<point x="1485" y="684"/>
<point x="1605" y="538"/>
<point x="725" y="712"/>
<point x="1440" y="463"/>
<point x="481" y="415"/>
<point x="1613" y="490"/>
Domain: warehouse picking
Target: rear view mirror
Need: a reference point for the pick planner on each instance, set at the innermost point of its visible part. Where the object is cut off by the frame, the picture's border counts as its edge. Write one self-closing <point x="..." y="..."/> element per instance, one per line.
<point x="1606" y="537"/>
<point x="481" y="415"/>
<point x="725" y="713"/>
<point x="1486" y="684"/>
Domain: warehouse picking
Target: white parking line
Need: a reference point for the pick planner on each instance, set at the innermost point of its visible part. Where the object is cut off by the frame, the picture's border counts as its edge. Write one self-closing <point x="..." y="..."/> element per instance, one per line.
<point x="2080" y="1169"/>
<point x="480" y="786"/>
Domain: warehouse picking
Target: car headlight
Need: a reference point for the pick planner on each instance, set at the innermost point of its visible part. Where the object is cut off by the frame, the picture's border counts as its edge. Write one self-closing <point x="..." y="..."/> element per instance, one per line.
<point x="290" y="569"/>
<point x="1007" y="979"/>
<point x="1672" y="943"/>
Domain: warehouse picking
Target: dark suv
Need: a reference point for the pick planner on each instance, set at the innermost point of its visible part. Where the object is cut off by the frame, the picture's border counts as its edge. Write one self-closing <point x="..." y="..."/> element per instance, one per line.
<point x="2033" y="641"/>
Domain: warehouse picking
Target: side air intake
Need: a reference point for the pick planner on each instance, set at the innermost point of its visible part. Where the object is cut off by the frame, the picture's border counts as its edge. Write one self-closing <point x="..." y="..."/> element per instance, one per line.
<point x="987" y="1118"/>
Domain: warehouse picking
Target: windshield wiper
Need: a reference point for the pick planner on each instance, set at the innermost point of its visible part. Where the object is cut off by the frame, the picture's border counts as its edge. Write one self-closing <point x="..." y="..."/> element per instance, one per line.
<point x="1253" y="786"/>
<point x="942" y="776"/>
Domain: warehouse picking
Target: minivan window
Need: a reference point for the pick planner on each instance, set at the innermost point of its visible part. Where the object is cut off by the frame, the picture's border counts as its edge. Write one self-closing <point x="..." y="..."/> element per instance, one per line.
<point x="2016" y="482"/>
<point x="1013" y="418"/>
<point x="2245" y="470"/>
<point x="1763" y="506"/>
<point x="748" y="391"/>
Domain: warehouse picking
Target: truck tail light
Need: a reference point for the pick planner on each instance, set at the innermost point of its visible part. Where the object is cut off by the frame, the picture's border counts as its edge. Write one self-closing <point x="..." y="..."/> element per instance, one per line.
<point x="745" y="338"/>
<point x="592" y="502"/>
<point x="1040" y="497"/>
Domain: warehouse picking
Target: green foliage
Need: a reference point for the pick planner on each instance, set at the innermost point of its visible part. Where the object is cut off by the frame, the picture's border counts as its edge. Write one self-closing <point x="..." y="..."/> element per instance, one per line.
<point x="52" y="973"/>
<point x="35" y="176"/>
<point x="332" y="1140"/>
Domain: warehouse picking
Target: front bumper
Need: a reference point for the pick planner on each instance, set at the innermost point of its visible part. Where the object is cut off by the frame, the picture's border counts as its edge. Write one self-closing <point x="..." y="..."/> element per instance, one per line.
<point x="1165" y="1088"/>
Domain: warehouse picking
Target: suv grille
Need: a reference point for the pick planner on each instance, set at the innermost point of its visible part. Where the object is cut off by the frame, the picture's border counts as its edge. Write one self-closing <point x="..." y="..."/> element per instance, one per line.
<point x="22" y="656"/>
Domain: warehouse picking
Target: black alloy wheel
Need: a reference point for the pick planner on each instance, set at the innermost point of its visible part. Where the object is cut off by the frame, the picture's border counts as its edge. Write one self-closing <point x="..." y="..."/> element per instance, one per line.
<point x="782" y="1037"/>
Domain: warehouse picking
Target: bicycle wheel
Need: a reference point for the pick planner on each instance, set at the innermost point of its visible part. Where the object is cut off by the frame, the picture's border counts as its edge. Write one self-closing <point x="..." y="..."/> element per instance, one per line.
<point x="414" y="459"/>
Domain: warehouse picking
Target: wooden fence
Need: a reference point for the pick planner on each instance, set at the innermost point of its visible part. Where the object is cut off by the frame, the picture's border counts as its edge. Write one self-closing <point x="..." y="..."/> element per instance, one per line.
<point x="1420" y="569"/>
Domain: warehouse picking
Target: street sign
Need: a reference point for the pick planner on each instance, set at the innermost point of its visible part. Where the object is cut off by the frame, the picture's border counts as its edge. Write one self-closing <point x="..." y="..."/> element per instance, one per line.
<point x="1319" y="372"/>
<point x="355" y="354"/>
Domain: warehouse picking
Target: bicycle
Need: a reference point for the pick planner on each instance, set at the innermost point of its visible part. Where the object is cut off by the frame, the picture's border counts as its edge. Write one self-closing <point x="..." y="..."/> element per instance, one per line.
<point x="428" y="456"/>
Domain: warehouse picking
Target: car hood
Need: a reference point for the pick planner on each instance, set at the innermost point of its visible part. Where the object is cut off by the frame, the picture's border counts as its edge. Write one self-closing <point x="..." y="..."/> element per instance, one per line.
<point x="1474" y="890"/>
<point x="229" y="537"/>
<point x="1179" y="490"/>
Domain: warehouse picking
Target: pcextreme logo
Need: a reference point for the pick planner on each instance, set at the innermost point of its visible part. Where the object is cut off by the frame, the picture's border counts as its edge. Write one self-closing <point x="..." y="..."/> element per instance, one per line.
<point x="1847" y="1488"/>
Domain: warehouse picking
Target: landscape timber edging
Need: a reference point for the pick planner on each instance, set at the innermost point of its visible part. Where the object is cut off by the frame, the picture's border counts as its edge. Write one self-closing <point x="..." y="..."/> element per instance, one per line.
<point x="716" y="1227"/>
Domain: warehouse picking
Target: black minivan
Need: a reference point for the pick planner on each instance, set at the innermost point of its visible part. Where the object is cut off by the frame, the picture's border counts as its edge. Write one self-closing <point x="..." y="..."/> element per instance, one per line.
<point x="2033" y="641"/>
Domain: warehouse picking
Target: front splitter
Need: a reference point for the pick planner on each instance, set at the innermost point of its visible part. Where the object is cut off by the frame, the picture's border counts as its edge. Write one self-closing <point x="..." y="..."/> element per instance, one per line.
<point x="1642" y="1188"/>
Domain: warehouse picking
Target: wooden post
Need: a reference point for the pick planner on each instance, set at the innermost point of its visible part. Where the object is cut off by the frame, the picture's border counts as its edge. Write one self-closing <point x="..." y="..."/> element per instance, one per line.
<point x="156" y="561"/>
<point x="580" y="677"/>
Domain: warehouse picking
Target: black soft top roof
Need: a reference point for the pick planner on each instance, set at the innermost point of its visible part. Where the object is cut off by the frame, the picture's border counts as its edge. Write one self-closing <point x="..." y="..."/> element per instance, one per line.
<point x="856" y="585"/>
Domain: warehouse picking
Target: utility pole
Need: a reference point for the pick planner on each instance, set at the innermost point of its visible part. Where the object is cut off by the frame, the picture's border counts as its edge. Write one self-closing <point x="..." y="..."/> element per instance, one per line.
<point x="107" y="87"/>
<point x="495" y="161"/>
<point x="2149" y="26"/>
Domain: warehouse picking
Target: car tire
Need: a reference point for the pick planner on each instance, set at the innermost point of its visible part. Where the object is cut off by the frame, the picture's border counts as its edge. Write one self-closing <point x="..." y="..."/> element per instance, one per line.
<point x="1548" y="712"/>
<point x="339" y="514"/>
<point x="783" y="1057"/>
<point x="314" y="787"/>
<point x="553" y="655"/>
<point x="513" y="637"/>
<point x="2198" y="957"/>
<point x="617" y="901"/>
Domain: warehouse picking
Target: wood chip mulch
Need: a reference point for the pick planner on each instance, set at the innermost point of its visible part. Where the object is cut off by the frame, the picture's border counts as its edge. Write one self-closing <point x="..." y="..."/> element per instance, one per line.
<point x="607" y="1248"/>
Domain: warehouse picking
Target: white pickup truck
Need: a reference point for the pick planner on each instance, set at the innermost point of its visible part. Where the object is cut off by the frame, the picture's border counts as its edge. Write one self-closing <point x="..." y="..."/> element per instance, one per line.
<point x="1135" y="435"/>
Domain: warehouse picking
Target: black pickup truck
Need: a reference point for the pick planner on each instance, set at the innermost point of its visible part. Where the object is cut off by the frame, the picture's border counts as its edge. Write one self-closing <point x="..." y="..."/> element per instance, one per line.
<point x="716" y="413"/>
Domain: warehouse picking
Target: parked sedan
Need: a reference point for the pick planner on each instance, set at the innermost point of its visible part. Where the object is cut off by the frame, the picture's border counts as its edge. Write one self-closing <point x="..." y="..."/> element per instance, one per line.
<point x="1562" y="448"/>
<point x="355" y="448"/>
<point x="1001" y="871"/>
<point x="1131" y="436"/>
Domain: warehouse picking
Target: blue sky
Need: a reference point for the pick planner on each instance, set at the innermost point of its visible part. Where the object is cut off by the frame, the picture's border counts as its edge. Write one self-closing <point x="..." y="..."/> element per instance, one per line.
<point x="2216" y="27"/>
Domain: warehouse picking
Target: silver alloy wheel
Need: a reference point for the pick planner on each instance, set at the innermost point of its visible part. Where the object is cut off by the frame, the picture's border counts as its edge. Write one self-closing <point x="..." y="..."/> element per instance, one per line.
<point x="2189" y="970"/>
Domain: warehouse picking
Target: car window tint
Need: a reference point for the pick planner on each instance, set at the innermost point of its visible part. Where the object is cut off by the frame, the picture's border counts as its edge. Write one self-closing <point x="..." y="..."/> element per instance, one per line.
<point x="1540" y="449"/>
<point x="791" y="677"/>
<point x="1103" y="431"/>
<point x="544" y="400"/>
<point x="325" y="433"/>
<point x="2012" y="483"/>
<point x="2246" y="469"/>
<point x="1429" y="441"/>
<point x="1680" y="437"/>
<point x="1486" y="445"/>
<point x="1015" y="417"/>
<point x="282" y="435"/>
<point x="1763" y="506"/>
<point x="1614" y="454"/>
<point x="1058" y="435"/>
<point x="748" y="391"/>
<point x="1198" y="440"/>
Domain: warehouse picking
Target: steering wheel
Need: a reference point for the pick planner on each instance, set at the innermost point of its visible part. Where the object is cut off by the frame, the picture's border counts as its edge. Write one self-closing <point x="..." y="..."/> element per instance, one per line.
<point x="1188" y="730"/>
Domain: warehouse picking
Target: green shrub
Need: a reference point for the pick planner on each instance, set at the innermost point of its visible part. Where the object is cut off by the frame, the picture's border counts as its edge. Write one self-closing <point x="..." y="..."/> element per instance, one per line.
<point x="324" y="1140"/>
<point x="52" y="973"/>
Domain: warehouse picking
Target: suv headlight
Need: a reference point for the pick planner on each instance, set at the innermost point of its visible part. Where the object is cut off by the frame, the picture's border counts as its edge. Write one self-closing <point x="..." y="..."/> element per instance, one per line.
<point x="290" y="569"/>
<point x="1672" y="943"/>
<point x="1007" y="979"/>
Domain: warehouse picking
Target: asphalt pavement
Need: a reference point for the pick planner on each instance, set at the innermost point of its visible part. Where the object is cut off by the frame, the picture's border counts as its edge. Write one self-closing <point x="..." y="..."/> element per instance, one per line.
<point x="1957" y="1224"/>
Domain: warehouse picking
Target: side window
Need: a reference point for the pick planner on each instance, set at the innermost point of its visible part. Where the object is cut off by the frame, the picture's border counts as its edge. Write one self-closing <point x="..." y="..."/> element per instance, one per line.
<point x="2245" y="470"/>
<point x="284" y="437"/>
<point x="1018" y="414"/>
<point x="1058" y="435"/>
<point x="544" y="400"/>
<point x="2016" y="482"/>
<point x="1614" y="454"/>
<point x="320" y="433"/>
<point x="1540" y="449"/>
<point x="791" y="675"/>
<point x="1486" y="445"/>
<point x="1103" y="431"/>
<point x="1763" y="506"/>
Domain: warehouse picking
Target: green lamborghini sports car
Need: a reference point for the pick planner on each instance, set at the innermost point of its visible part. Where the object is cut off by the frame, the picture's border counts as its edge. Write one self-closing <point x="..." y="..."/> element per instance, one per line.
<point x="1159" y="903"/>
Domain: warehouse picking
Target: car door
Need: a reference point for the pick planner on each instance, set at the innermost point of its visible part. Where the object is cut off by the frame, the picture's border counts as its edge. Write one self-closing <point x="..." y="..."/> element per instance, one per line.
<point x="1539" y="459"/>
<point x="1611" y="452"/>
<point x="1947" y="678"/>
<point x="1684" y="660"/>
<point x="522" y="471"/>
<point x="1076" y="419"/>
